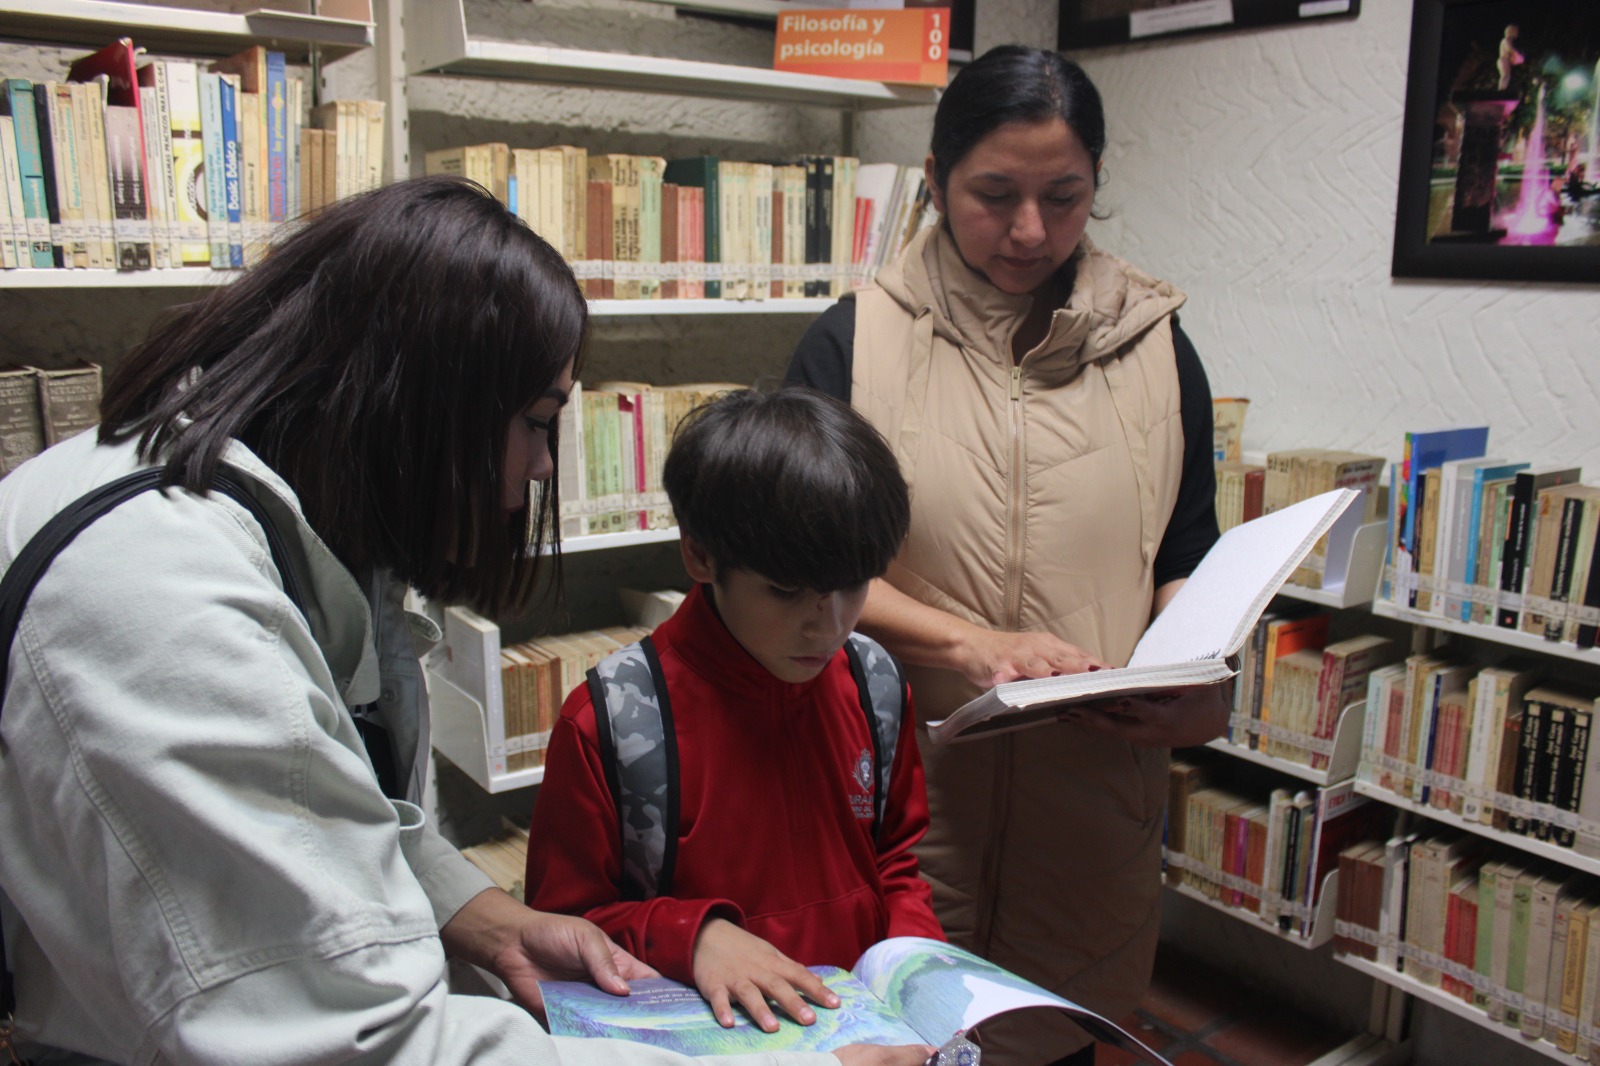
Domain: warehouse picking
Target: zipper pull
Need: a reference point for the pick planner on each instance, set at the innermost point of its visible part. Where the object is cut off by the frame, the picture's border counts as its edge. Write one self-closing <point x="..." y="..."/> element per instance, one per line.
<point x="1016" y="383"/>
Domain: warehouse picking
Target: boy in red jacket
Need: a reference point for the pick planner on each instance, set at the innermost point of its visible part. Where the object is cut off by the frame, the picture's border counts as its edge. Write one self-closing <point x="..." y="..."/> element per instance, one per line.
<point x="784" y="855"/>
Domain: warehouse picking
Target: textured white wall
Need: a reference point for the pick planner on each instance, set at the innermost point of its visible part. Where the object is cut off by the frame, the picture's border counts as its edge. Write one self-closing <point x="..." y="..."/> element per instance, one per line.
<point x="1257" y="171"/>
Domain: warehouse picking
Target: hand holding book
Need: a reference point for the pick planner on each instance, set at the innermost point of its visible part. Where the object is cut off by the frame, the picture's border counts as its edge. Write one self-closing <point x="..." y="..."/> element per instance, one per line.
<point x="1192" y="642"/>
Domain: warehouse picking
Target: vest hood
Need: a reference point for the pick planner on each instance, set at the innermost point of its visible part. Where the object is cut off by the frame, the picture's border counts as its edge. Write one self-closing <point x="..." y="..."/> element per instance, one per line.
<point x="1112" y="303"/>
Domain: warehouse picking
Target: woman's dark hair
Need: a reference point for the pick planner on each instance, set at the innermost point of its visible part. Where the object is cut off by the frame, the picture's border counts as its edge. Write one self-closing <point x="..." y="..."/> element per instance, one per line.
<point x="792" y="485"/>
<point x="375" y="359"/>
<point x="1014" y="83"/>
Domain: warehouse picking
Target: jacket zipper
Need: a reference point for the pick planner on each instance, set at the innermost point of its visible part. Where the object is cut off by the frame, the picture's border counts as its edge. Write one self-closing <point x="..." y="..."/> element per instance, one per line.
<point x="1001" y="808"/>
<point x="1015" y="491"/>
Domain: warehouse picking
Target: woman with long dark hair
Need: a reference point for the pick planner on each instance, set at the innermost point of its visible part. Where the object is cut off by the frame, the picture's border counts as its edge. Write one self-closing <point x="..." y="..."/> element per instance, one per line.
<point x="215" y="732"/>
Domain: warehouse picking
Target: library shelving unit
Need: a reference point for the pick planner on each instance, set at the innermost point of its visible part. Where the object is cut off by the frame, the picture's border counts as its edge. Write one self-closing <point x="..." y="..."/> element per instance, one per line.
<point x="438" y="43"/>
<point x="1355" y="562"/>
<point x="339" y="28"/>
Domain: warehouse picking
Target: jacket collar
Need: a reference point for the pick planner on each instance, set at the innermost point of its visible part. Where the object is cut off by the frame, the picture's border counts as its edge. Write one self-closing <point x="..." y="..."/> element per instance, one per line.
<point x="1111" y="303"/>
<point x="699" y="637"/>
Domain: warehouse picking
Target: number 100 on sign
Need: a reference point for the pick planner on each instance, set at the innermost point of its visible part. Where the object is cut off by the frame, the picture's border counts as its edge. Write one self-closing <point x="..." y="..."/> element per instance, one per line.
<point x="910" y="45"/>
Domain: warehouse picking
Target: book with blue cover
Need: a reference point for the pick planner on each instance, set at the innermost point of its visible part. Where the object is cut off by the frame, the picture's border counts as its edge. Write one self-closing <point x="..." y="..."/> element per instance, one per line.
<point x="904" y="990"/>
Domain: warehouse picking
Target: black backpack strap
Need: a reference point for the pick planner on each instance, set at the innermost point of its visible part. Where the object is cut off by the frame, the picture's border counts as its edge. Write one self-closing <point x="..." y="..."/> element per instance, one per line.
<point x="882" y="693"/>
<point x="639" y="750"/>
<point x="34" y="559"/>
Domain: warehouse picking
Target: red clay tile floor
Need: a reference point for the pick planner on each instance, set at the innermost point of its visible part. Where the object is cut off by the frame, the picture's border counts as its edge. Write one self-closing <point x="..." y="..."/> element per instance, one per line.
<point x="1197" y="1016"/>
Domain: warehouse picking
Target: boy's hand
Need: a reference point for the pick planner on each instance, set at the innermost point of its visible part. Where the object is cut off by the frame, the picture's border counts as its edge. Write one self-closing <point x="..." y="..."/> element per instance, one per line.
<point x="874" y="1055"/>
<point x="731" y="964"/>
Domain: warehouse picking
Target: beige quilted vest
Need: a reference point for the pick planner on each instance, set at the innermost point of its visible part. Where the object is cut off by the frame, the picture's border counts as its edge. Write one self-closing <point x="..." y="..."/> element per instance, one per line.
<point x="1040" y="494"/>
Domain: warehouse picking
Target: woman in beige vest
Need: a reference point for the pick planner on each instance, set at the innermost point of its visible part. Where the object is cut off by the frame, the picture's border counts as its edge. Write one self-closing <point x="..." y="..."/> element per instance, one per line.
<point x="1055" y="427"/>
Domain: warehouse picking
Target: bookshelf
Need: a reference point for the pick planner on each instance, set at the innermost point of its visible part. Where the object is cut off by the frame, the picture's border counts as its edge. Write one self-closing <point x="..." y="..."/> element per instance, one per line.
<point x="1410" y="986"/>
<point x="340" y="27"/>
<point x="1354" y="567"/>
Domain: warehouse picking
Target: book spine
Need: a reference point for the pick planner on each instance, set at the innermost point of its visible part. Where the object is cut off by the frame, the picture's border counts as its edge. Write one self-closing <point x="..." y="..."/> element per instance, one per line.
<point x="1518" y="528"/>
<point x="277" y="91"/>
<point x="232" y="168"/>
<point x="130" y="209"/>
<point x="215" y="168"/>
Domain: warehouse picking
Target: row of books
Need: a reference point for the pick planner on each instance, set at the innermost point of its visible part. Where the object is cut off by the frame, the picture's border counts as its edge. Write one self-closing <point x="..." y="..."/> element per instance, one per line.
<point x="521" y="686"/>
<point x="613" y="439"/>
<point x="40" y="407"/>
<point x="133" y="165"/>
<point x="1249" y="490"/>
<point x="1516" y="938"/>
<point x="1264" y="851"/>
<point x="1294" y="683"/>
<point x="643" y="227"/>
<point x="1498" y="542"/>
<point x="504" y="857"/>
<point x="1503" y="746"/>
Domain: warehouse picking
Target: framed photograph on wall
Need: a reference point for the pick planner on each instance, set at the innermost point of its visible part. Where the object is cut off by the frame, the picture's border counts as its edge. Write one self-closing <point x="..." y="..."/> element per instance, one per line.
<point x="1501" y="143"/>
<point x="1088" y="23"/>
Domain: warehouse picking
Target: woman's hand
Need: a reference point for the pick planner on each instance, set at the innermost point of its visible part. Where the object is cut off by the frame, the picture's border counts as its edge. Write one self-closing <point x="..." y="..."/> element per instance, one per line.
<point x="1176" y="718"/>
<point x="731" y="964"/>
<point x="874" y="1055"/>
<point x="993" y="657"/>
<point x="522" y="947"/>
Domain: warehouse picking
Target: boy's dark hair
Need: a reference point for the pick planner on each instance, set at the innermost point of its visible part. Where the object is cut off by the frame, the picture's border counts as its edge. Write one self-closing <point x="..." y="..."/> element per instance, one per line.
<point x="1014" y="83"/>
<point x="792" y="485"/>
<point x="374" y="360"/>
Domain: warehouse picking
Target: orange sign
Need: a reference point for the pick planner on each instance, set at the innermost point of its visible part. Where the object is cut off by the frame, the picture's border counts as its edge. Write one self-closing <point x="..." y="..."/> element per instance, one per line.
<point x="910" y="44"/>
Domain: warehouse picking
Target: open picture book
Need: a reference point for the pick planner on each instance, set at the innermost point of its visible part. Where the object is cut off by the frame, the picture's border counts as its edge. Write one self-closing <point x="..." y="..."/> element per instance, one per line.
<point x="904" y="990"/>
<point x="1194" y="641"/>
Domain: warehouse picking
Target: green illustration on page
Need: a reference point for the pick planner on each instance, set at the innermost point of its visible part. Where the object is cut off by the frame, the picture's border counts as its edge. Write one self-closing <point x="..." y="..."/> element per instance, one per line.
<point x="906" y="990"/>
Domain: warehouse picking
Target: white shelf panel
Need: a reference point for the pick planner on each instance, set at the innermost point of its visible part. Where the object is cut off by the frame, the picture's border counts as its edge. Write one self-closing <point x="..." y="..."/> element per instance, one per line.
<point x="1514" y="638"/>
<point x="438" y="43"/>
<point x="684" y="77"/>
<point x="606" y="541"/>
<point x="182" y="30"/>
<point x="638" y="308"/>
<point x="1564" y="856"/>
<point x="1431" y="995"/>
<point x="1343" y="758"/>
<point x="459" y="733"/>
<point x="1321" y="926"/>
<point x="184" y="278"/>
<point x="1355" y="555"/>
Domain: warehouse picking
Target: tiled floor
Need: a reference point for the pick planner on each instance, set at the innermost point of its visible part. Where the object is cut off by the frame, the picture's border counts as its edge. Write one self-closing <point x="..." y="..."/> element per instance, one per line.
<point x="1197" y="1016"/>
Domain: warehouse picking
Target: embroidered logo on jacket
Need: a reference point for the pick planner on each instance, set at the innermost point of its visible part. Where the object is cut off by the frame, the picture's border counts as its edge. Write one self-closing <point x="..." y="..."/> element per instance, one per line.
<point x="861" y="777"/>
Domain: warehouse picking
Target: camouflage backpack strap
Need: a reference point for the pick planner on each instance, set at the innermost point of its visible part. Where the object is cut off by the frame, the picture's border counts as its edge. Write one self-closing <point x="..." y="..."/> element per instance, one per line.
<point x="882" y="691"/>
<point x="639" y="751"/>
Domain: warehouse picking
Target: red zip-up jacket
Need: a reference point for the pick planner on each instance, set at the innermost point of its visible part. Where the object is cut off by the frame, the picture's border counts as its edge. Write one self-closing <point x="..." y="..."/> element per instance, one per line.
<point x="774" y="813"/>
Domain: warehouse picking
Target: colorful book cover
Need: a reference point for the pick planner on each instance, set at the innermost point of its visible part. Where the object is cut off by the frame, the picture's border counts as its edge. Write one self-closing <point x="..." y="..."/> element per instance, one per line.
<point x="17" y="100"/>
<point x="905" y="990"/>
<point x="1470" y="569"/>
<point x="1425" y="451"/>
